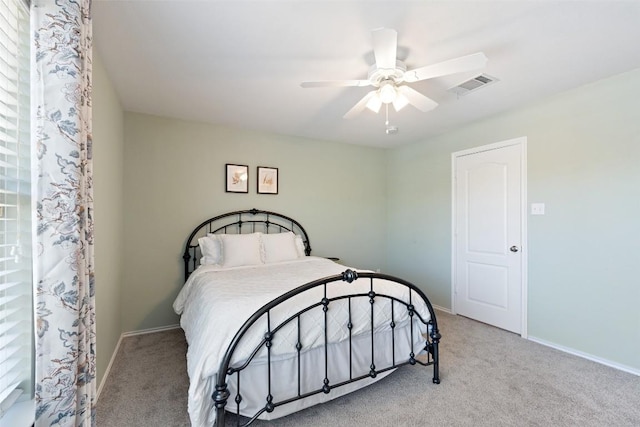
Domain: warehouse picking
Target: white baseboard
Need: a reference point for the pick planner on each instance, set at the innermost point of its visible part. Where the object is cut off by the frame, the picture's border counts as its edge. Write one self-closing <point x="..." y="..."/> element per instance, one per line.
<point x="437" y="307"/>
<point x="587" y="356"/>
<point x="150" y="331"/>
<point x="115" y="351"/>
<point x="106" y="372"/>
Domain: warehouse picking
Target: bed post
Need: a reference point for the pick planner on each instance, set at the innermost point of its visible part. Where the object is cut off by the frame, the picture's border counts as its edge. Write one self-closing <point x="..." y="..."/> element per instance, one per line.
<point x="186" y="257"/>
<point x="435" y="339"/>
<point x="220" y="397"/>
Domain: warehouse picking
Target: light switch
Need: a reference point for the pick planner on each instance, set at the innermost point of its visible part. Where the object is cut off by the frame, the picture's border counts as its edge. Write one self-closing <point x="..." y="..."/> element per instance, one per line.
<point x="537" y="208"/>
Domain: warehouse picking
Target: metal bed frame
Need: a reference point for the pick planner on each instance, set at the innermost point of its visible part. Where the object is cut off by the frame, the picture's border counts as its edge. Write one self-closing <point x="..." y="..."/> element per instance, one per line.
<point x="253" y="220"/>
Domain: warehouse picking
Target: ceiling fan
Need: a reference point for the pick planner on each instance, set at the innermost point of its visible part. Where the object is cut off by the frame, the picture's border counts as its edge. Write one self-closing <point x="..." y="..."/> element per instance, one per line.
<point x="389" y="76"/>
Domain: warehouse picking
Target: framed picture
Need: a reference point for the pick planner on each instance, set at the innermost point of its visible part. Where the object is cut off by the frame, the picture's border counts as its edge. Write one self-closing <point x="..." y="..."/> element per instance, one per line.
<point x="237" y="178"/>
<point x="267" y="180"/>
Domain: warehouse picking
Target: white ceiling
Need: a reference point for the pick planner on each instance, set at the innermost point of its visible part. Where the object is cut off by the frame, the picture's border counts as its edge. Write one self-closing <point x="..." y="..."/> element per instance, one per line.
<point x="240" y="63"/>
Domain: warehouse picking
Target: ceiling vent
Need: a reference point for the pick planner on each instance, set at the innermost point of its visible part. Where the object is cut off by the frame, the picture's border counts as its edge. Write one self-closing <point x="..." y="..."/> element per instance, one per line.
<point x="474" y="84"/>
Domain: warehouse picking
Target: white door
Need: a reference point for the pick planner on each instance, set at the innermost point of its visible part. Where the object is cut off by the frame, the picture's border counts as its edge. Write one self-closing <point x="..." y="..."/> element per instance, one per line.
<point x="489" y="234"/>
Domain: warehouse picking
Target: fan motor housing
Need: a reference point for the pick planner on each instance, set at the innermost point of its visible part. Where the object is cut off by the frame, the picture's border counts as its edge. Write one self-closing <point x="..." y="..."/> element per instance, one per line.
<point x="378" y="75"/>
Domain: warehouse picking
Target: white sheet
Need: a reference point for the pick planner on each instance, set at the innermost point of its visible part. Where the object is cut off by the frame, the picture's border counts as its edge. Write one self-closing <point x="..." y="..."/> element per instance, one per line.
<point x="214" y="303"/>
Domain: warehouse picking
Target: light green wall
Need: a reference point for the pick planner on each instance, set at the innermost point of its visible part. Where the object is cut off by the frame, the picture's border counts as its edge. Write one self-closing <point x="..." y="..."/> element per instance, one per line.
<point x="584" y="164"/>
<point x="108" y="173"/>
<point x="174" y="175"/>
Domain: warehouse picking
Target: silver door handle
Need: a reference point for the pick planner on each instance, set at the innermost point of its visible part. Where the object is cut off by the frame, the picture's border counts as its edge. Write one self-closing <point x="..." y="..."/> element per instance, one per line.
<point x="513" y="249"/>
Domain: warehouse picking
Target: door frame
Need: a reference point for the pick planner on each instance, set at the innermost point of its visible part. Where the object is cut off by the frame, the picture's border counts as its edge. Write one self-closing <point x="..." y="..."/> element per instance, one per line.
<point x="524" y="250"/>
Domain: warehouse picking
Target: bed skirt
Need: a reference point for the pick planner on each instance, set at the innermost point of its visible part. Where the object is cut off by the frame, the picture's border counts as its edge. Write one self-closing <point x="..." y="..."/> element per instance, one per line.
<point x="284" y="373"/>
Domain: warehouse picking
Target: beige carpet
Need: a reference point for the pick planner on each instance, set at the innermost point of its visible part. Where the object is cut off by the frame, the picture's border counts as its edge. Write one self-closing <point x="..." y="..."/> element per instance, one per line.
<point x="489" y="378"/>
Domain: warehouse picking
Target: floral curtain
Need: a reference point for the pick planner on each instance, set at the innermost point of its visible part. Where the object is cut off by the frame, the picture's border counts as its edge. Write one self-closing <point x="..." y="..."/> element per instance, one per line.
<point x="61" y="117"/>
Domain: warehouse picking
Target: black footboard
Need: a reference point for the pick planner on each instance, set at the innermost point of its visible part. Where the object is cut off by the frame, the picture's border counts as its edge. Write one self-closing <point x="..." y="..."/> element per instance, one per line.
<point x="412" y="306"/>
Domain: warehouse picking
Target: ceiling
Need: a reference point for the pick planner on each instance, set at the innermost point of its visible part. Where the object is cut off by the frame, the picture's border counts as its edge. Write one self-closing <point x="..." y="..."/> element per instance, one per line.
<point x="240" y="63"/>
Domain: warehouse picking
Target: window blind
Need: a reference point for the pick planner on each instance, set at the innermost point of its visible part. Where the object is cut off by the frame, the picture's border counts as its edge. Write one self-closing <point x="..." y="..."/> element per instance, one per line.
<point x="16" y="289"/>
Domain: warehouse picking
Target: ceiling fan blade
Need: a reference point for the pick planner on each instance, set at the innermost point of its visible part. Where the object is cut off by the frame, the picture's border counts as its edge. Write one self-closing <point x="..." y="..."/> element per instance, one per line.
<point x="452" y="66"/>
<point x="385" y="44"/>
<point x="336" y="83"/>
<point x="417" y="99"/>
<point x="361" y="105"/>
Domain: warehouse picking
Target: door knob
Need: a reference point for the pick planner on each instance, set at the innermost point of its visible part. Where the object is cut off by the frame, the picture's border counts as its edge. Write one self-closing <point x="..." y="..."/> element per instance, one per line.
<point x="513" y="249"/>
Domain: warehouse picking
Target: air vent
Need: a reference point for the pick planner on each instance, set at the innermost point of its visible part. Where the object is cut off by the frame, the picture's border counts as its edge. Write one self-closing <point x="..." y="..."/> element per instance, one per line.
<point x="474" y="84"/>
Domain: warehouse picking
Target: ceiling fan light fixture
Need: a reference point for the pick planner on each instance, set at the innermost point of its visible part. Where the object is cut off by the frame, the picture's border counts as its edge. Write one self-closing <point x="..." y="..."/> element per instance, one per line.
<point x="374" y="103"/>
<point x="387" y="93"/>
<point x="400" y="102"/>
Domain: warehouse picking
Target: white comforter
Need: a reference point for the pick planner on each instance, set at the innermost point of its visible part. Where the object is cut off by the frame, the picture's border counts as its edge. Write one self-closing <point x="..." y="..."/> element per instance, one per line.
<point x="214" y="304"/>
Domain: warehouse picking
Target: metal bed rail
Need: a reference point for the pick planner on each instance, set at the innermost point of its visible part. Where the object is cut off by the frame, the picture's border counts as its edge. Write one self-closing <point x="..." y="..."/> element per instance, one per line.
<point x="221" y="394"/>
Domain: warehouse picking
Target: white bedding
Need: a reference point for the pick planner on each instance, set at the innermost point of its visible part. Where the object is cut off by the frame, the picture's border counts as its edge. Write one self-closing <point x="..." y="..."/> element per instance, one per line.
<point x="214" y="303"/>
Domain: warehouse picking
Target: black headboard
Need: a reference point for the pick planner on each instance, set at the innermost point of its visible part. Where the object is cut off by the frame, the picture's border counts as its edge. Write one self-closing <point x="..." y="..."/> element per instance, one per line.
<point x="238" y="222"/>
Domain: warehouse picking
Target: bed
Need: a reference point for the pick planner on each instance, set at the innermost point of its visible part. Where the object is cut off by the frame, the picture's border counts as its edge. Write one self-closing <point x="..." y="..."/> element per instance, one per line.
<point x="272" y="329"/>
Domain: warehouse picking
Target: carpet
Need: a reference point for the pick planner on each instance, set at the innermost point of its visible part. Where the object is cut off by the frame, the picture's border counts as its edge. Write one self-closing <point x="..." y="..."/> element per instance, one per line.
<point x="490" y="377"/>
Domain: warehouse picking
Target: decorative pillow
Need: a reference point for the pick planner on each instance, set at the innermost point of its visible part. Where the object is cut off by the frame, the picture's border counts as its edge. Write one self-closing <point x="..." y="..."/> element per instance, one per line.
<point x="279" y="247"/>
<point x="241" y="249"/>
<point x="300" y="246"/>
<point x="210" y="249"/>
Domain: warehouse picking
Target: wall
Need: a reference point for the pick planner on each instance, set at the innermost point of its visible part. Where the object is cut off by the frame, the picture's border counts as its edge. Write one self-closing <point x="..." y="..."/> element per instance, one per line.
<point x="174" y="175"/>
<point x="108" y="168"/>
<point x="583" y="163"/>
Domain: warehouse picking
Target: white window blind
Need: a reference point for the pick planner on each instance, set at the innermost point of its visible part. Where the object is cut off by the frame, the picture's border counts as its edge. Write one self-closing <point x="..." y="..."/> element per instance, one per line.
<point x="16" y="289"/>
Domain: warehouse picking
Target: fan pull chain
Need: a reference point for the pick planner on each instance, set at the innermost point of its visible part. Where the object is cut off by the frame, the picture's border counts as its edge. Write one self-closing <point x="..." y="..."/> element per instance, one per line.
<point x="386" y="123"/>
<point x="389" y="130"/>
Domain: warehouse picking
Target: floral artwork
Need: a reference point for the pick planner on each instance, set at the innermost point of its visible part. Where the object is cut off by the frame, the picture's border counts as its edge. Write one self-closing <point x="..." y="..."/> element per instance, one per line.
<point x="237" y="178"/>
<point x="267" y="180"/>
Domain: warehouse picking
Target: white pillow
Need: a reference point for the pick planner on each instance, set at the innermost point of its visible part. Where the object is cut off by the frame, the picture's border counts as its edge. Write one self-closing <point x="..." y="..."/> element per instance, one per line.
<point x="300" y="246"/>
<point x="240" y="249"/>
<point x="210" y="249"/>
<point x="279" y="247"/>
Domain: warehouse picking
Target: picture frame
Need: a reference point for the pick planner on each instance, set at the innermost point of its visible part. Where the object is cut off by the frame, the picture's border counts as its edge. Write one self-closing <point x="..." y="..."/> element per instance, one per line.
<point x="236" y="178"/>
<point x="267" y="180"/>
